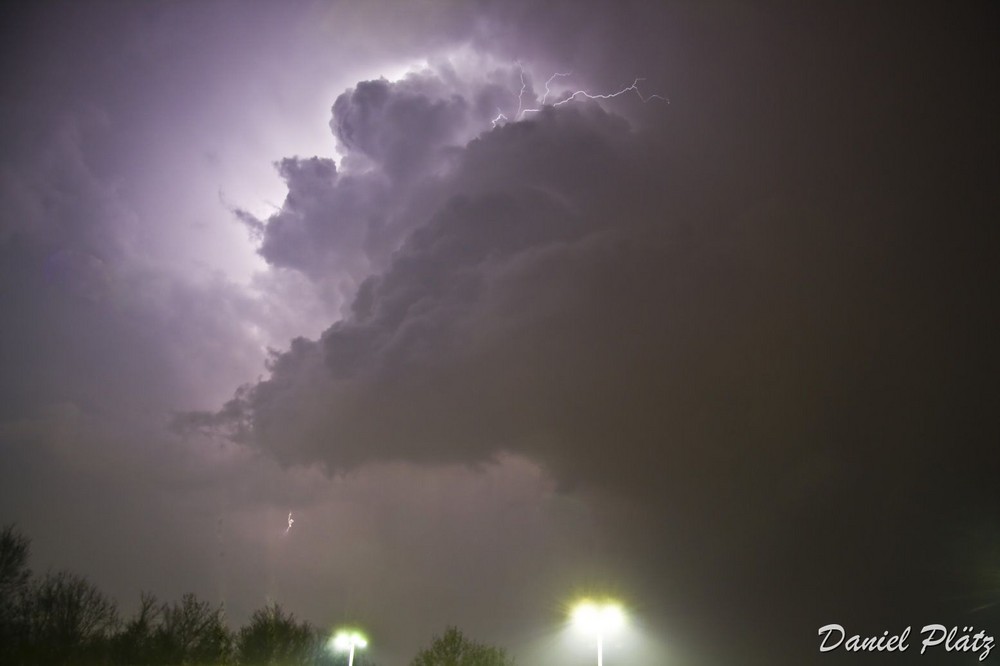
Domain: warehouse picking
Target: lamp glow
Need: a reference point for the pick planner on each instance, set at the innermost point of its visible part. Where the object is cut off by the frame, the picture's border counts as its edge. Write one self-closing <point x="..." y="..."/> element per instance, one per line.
<point x="348" y="641"/>
<point x="598" y="618"/>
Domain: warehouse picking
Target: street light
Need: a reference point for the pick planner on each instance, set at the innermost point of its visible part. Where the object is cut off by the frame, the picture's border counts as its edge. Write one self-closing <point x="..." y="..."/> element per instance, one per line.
<point x="347" y="641"/>
<point x="597" y="618"/>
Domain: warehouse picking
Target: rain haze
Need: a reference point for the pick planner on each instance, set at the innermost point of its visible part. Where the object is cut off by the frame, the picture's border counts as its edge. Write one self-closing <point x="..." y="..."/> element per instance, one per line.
<point x="408" y="315"/>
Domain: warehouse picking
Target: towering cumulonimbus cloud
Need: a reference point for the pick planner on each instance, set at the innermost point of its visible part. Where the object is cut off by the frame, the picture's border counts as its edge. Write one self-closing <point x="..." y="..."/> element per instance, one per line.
<point x="471" y="217"/>
<point x="553" y="293"/>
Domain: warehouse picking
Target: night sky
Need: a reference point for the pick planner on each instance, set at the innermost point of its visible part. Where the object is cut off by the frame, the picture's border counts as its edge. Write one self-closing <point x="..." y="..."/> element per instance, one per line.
<point x="727" y="353"/>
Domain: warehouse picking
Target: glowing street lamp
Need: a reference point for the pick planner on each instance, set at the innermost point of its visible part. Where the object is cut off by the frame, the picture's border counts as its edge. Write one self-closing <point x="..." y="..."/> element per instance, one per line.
<point x="347" y="641"/>
<point x="598" y="618"/>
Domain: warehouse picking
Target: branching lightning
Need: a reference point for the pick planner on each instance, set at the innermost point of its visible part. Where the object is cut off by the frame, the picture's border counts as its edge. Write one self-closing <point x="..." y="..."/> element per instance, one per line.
<point x="521" y="110"/>
<point x="548" y="91"/>
<point x="634" y="87"/>
<point x="290" y="521"/>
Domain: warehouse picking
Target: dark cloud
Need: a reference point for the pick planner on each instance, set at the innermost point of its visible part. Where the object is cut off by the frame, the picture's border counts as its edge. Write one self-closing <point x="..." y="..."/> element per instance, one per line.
<point x="325" y="219"/>
<point x="396" y="125"/>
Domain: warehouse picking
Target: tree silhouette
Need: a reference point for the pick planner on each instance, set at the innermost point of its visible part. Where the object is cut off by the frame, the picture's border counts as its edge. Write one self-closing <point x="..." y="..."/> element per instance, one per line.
<point x="14" y="578"/>
<point x="453" y="649"/>
<point x="135" y="643"/>
<point x="68" y="620"/>
<point x="14" y="571"/>
<point x="192" y="632"/>
<point x="274" y="638"/>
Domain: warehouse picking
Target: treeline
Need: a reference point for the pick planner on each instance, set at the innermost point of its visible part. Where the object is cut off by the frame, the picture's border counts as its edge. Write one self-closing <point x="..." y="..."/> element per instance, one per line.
<point x="62" y="618"/>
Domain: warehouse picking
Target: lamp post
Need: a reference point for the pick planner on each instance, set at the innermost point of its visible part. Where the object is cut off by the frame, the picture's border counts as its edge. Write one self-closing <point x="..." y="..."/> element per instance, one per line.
<point x="347" y="641"/>
<point x="598" y="618"/>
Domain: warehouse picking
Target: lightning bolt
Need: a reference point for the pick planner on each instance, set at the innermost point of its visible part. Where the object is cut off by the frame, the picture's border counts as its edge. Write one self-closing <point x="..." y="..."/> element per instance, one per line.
<point x="521" y="110"/>
<point x="290" y="521"/>
<point x="633" y="87"/>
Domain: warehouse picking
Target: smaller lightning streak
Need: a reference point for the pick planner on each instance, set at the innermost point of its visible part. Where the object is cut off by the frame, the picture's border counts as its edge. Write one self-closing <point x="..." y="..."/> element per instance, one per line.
<point x="499" y="117"/>
<point x="547" y="83"/>
<point x="520" y="95"/>
<point x="290" y="521"/>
